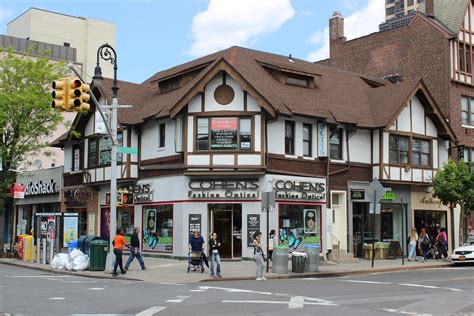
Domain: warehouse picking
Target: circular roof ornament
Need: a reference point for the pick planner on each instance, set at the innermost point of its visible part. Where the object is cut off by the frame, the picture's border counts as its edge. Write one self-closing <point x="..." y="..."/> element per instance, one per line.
<point x="224" y="94"/>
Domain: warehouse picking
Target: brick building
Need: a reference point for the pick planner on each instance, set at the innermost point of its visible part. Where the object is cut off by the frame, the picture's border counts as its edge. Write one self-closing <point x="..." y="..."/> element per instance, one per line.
<point x="436" y="45"/>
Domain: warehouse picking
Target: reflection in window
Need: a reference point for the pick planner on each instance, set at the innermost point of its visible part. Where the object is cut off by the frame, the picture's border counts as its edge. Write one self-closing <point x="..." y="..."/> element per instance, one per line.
<point x="421" y="152"/>
<point x="335" y="141"/>
<point x="398" y="149"/>
<point x="307" y="140"/>
<point x="289" y="137"/>
<point x="245" y="133"/>
<point x="203" y="134"/>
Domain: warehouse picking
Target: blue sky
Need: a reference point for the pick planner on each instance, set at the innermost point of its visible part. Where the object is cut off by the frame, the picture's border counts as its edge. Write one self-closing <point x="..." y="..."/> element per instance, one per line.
<point x="153" y="35"/>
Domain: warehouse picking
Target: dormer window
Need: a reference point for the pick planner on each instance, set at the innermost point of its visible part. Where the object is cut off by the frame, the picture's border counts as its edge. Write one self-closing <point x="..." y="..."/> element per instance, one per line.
<point x="170" y="84"/>
<point x="297" y="81"/>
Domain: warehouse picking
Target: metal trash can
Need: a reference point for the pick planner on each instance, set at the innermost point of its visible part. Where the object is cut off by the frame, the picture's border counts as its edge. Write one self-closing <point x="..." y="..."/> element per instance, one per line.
<point x="280" y="259"/>
<point x="71" y="246"/>
<point x="297" y="263"/>
<point x="312" y="261"/>
<point x="98" y="254"/>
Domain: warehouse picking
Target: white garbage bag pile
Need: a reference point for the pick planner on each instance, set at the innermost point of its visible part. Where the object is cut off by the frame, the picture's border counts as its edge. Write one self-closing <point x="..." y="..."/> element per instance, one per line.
<point x="299" y="254"/>
<point x="76" y="261"/>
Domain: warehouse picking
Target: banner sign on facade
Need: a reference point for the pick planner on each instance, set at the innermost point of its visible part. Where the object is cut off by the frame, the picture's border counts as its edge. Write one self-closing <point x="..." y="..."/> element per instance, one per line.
<point x="253" y="226"/>
<point x="310" y="190"/>
<point x="322" y="140"/>
<point x="18" y="191"/>
<point x="223" y="189"/>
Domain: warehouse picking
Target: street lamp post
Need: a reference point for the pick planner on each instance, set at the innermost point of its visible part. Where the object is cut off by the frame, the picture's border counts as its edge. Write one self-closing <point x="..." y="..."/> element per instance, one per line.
<point x="107" y="53"/>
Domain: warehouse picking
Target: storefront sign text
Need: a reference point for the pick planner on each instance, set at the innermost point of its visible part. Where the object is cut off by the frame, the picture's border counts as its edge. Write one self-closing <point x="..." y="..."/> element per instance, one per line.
<point x="229" y="189"/>
<point x="430" y="201"/>
<point x="300" y="190"/>
<point x="77" y="196"/>
<point x="357" y="195"/>
<point x="141" y="192"/>
<point x="40" y="188"/>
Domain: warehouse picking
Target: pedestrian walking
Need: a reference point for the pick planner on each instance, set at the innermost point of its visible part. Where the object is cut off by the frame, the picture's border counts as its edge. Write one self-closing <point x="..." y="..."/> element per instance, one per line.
<point x="196" y="244"/>
<point x="424" y="244"/>
<point x="259" y="255"/>
<point x="412" y="240"/>
<point x="271" y="244"/>
<point x="470" y="233"/>
<point x="135" y="250"/>
<point x="442" y="240"/>
<point x="118" y="243"/>
<point x="214" y="248"/>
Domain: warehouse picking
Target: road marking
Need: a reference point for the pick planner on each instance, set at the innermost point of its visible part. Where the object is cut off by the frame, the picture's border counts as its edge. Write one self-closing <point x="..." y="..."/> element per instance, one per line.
<point x="275" y="302"/>
<point x="57" y="298"/>
<point x="168" y="283"/>
<point x="232" y="290"/>
<point x="37" y="276"/>
<point x="96" y="288"/>
<point x="74" y="281"/>
<point x="310" y="279"/>
<point x="196" y="290"/>
<point x="397" y="311"/>
<point x="165" y="265"/>
<point x="178" y="299"/>
<point x="367" y="282"/>
<point x="151" y="311"/>
<point x="296" y="302"/>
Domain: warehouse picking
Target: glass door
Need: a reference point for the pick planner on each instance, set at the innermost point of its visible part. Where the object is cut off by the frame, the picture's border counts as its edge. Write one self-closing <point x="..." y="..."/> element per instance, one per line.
<point x="226" y="221"/>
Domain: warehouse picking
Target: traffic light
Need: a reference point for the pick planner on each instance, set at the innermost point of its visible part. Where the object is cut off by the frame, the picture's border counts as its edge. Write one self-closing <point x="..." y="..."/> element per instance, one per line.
<point x="59" y="93"/>
<point x="80" y="96"/>
<point x="126" y="198"/>
<point x="62" y="94"/>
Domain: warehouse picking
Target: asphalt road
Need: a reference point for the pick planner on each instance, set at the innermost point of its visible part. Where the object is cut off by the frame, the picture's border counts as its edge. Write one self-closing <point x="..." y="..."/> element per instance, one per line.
<point x="441" y="291"/>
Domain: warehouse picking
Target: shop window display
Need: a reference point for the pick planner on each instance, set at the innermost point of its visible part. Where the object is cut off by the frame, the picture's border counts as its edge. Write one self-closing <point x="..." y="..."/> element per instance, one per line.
<point x="158" y="228"/>
<point x="300" y="225"/>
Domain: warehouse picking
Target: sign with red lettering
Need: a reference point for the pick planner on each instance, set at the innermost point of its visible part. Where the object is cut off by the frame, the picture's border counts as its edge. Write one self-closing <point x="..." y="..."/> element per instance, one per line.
<point x="18" y="191"/>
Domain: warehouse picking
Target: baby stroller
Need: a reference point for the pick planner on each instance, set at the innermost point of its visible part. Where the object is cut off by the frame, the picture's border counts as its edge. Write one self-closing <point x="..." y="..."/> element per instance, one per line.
<point x="195" y="261"/>
<point x="434" y="251"/>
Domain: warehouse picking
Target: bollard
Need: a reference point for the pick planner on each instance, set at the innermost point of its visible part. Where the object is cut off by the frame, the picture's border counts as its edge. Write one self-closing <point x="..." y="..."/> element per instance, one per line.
<point x="38" y="250"/>
<point x="51" y="250"/>
<point x="44" y="251"/>
<point x="32" y="254"/>
<point x="25" y="249"/>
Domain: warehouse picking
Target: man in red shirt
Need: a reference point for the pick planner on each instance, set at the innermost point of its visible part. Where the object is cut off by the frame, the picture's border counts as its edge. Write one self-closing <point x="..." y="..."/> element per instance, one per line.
<point x="119" y="242"/>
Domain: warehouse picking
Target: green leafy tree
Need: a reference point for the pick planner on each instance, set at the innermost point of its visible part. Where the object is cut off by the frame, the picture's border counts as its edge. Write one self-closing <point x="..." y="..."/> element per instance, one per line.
<point x="455" y="185"/>
<point x="26" y="115"/>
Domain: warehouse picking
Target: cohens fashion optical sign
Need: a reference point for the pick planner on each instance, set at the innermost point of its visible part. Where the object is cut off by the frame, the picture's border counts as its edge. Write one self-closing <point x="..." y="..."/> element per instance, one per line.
<point x="300" y="190"/>
<point x="223" y="189"/>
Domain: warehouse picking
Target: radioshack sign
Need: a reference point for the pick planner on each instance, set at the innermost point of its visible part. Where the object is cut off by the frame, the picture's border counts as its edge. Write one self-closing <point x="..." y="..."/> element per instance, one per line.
<point x="40" y="188"/>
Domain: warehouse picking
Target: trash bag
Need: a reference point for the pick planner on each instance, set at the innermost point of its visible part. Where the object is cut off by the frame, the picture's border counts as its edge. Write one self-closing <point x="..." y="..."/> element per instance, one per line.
<point x="59" y="261"/>
<point x="80" y="263"/>
<point x="75" y="253"/>
<point x="298" y="254"/>
<point x="69" y="264"/>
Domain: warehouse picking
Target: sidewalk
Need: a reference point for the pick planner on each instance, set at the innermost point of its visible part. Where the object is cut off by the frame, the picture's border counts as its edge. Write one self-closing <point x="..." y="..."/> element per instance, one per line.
<point x="175" y="271"/>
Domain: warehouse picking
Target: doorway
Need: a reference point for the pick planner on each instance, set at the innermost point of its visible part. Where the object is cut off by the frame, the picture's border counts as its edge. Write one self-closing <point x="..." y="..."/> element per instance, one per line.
<point x="226" y="221"/>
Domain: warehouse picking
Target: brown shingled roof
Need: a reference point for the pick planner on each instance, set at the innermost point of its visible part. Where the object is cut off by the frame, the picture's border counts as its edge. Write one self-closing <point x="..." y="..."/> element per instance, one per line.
<point x="340" y="96"/>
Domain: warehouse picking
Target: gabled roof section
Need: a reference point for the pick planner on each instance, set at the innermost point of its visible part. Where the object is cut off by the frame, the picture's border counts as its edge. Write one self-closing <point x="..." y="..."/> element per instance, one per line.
<point x="388" y="102"/>
<point x="449" y="12"/>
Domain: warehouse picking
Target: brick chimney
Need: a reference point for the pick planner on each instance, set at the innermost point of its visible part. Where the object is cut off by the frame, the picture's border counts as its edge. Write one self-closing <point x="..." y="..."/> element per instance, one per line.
<point x="429" y="7"/>
<point x="336" y="31"/>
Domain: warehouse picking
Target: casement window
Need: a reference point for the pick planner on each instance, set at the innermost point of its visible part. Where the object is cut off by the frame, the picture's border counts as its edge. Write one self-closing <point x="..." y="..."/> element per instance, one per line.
<point x="468" y="154"/>
<point x="421" y="153"/>
<point x="335" y="143"/>
<point x="297" y="81"/>
<point x="467" y="111"/>
<point x="289" y="137"/>
<point x="76" y="158"/>
<point x="162" y="135"/>
<point x="224" y="133"/>
<point x="307" y="140"/>
<point x="398" y="149"/>
<point x="100" y="150"/>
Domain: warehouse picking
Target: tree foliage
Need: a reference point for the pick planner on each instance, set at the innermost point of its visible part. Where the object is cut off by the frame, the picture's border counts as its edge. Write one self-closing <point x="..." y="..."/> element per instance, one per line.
<point x="26" y="115"/>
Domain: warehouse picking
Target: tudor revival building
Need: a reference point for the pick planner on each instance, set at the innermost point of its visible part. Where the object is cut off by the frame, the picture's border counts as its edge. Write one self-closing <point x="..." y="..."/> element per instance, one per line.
<point x="436" y="45"/>
<point x="215" y="133"/>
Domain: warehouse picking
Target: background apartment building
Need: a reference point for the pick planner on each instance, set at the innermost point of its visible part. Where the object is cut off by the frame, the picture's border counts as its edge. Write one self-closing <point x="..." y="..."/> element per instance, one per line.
<point x="82" y="33"/>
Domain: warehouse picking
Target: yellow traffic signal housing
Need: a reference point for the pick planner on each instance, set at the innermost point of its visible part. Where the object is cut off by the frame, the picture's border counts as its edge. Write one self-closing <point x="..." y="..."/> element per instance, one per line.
<point x="80" y="96"/>
<point x="62" y="94"/>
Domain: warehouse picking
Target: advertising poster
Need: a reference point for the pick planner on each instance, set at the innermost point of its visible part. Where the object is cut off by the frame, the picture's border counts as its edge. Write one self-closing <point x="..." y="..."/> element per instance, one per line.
<point x="253" y="226"/>
<point x="311" y="222"/>
<point x="51" y="235"/>
<point x="70" y="229"/>
<point x="105" y="224"/>
<point x="223" y="133"/>
<point x="194" y="223"/>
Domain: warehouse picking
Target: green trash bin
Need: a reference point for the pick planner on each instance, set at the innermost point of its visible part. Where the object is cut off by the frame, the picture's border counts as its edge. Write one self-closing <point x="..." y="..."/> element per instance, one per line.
<point x="98" y="254"/>
<point x="297" y="264"/>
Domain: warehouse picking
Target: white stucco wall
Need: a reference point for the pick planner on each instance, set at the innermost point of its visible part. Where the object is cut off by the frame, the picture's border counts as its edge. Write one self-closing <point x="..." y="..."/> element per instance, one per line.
<point x="150" y="139"/>
<point x="359" y="146"/>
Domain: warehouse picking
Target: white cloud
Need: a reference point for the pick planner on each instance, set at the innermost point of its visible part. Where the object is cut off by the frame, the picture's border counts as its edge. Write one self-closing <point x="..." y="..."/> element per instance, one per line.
<point x="359" y="23"/>
<point x="226" y="23"/>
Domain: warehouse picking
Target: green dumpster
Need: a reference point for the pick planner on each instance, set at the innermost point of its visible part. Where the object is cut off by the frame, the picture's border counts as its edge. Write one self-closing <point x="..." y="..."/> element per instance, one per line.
<point x="98" y="254"/>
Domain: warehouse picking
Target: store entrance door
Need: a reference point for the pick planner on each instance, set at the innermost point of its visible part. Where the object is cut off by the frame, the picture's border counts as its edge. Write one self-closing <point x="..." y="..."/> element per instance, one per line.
<point x="361" y="229"/>
<point x="226" y="221"/>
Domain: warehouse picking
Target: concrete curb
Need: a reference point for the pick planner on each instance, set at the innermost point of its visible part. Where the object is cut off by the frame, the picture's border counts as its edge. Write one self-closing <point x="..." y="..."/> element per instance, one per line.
<point x="333" y="274"/>
<point x="270" y="277"/>
<point x="76" y="273"/>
